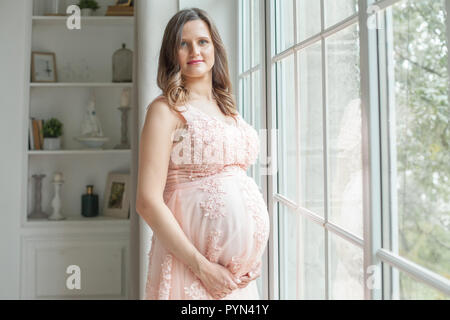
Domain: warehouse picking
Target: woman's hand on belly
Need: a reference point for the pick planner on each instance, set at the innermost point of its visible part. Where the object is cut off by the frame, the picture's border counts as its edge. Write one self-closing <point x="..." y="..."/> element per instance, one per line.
<point x="249" y="277"/>
<point x="217" y="279"/>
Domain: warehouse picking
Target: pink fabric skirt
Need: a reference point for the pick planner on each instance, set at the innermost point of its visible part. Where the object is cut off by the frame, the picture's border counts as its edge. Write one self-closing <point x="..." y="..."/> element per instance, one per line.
<point x="224" y="215"/>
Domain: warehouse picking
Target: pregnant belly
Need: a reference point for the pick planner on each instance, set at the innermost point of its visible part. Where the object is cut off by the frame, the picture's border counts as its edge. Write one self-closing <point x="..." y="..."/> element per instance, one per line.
<point x="226" y="219"/>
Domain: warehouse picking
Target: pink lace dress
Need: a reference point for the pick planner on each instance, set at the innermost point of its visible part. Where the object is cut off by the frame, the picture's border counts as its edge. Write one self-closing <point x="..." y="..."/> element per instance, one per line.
<point x="220" y="208"/>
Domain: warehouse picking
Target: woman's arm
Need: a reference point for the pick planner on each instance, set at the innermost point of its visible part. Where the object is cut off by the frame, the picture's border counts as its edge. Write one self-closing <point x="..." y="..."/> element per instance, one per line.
<point x="154" y="157"/>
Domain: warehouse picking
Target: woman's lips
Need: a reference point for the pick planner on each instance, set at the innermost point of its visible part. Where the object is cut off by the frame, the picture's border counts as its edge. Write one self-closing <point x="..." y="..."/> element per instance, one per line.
<point x="195" y="61"/>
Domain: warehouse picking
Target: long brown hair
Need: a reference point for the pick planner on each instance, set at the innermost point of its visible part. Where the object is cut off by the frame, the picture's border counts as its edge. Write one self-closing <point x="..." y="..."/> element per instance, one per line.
<point x="170" y="80"/>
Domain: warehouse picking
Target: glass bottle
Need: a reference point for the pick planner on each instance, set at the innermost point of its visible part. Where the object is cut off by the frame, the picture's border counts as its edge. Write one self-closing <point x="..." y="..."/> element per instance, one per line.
<point x="89" y="203"/>
<point x="122" y="64"/>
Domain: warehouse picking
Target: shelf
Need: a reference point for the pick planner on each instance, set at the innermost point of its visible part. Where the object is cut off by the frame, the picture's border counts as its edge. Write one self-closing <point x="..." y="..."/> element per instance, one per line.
<point x="90" y="21"/>
<point x="80" y="84"/>
<point x="78" y="221"/>
<point x="77" y="152"/>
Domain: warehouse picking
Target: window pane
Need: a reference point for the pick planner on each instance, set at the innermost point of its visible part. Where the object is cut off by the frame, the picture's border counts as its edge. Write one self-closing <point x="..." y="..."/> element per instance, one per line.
<point x="338" y="10"/>
<point x="245" y="45"/>
<point x="346" y="268"/>
<point x="287" y="145"/>
<point x="257" y="110"/>
<point x="256" y="34"/>
<point x="308" y="18"/>
<point x="344" y="130"/>
<point x="422" y="132"/>
<point x="284" y="24"/>
<point x="302" y="266"/>
<point x="311" y="129"/>
<point x="412" y="289"/>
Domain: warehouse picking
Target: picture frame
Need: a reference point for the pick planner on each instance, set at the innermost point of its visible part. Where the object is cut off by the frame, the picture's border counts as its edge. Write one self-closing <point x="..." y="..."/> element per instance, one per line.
<point x="116" y="202"/>
<point x="124" y="3"/>
<point x="43" y="67"/>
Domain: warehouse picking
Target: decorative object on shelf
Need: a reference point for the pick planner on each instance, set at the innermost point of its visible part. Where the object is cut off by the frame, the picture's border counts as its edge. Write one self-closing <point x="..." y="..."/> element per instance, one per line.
<point x="56" y="202"/>
<point x="91" y="129"/>
<point x="53" y="129"/>
<point x="37" y="212"/>
<point x="75" y="70"/>
<point x="89" y="203"/>
<point x="124" y="3"/>
<point x="122" y="64"/>
<point x="124" y="108"/>
<point x="43" y="67"/>
<point x="121" y="8"/>
<point x="116" y="198"/>
<point x="125" y="97"/>
<point x="88" y="7"/>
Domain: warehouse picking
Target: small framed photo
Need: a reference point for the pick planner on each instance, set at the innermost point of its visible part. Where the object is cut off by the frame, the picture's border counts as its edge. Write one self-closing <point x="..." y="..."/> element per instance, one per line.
<point x="124" y="3"/>
<point x="116" y="202"/>
<point x="43" y="67"/>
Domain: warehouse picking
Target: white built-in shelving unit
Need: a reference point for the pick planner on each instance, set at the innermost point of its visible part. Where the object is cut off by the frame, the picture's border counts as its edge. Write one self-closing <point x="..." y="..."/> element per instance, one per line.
<point x="99" y="245"/>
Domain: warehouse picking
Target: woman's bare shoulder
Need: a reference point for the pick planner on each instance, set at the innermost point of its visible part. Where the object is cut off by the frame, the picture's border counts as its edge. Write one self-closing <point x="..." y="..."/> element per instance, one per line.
<point x="159" y="109"/>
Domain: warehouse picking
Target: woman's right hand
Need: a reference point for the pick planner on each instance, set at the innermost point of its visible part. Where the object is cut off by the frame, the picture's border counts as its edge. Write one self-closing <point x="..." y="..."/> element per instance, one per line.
<point x="217" y="280"/>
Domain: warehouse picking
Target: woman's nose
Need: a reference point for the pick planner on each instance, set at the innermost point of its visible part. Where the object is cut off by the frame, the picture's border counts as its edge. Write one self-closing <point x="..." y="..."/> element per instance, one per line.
<point x="194" y="49"/>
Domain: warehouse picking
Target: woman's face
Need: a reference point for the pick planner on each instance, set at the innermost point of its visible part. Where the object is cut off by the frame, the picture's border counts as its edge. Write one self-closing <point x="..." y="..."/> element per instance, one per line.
<point x="196" y="52"/>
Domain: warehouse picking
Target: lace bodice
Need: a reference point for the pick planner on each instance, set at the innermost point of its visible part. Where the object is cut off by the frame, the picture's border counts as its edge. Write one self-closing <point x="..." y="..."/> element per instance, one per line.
<point x="208" y="145"/>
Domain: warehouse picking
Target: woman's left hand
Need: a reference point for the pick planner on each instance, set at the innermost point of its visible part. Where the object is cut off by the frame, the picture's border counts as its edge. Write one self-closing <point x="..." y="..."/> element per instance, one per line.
<point x="248" y="277"/>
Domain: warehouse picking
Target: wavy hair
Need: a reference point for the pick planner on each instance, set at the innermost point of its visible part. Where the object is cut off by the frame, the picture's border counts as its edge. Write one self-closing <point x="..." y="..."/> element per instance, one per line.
<point x="170" y="80"/>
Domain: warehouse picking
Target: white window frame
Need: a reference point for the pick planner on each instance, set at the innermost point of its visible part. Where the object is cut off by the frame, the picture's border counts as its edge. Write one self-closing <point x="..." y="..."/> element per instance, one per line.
<point x="375" y="101"/>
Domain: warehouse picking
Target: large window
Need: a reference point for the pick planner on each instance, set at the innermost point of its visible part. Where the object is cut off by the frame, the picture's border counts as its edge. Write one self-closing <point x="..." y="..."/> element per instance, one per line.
<point x="316" y="112"/>
<point x="360" y="198"/>
<point x="417" y="86"/>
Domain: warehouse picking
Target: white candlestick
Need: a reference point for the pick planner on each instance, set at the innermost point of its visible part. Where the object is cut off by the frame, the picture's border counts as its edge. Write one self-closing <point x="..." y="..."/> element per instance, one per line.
<point x="125" y="98"/>
<point x="58" y="177"/>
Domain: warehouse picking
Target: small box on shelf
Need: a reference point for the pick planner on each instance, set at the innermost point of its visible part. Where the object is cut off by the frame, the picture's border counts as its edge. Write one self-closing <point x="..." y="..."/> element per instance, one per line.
<point x="120" y="11"/>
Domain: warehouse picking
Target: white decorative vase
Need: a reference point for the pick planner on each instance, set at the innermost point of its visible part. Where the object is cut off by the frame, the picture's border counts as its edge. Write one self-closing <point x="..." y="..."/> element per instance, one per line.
<point x="86" y="12"/>
<point x="52" y="143"/>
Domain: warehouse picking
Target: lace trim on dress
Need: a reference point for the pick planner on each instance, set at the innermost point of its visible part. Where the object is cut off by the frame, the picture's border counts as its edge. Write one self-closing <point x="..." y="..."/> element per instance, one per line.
<point x="195" y="291"/>
<point x="213" y="250"/>
<point x="164" y="284"/>
<point x="149" y="288"/>
<point x="214" y="206"/>
<point x="255" y="205"/>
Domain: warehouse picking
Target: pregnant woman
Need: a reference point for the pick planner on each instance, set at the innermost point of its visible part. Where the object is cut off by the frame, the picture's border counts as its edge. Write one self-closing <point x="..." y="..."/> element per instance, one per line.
<point x="209" y="219"/>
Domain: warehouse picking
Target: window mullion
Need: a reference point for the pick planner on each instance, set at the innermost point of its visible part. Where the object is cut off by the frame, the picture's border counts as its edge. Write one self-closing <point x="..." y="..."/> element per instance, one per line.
<point x="273" y="251"/>
<point x="325" y="152"/>
<point x="390" y="229"/>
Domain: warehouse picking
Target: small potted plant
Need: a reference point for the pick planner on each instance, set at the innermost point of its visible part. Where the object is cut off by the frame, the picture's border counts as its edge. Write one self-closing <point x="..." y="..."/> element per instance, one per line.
<point x="88" y="6"/>
<point x="52" y="130"/>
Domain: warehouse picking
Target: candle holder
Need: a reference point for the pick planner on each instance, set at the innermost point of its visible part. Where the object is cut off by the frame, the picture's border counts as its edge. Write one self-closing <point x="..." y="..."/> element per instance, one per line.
<point x="37" y="212"/>
<point x="124" y="143"/>
<point x="56" y="202"/>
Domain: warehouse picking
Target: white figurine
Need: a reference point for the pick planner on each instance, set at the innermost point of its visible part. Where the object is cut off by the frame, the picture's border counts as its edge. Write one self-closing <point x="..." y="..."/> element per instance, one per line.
<point x="91" y="127"/>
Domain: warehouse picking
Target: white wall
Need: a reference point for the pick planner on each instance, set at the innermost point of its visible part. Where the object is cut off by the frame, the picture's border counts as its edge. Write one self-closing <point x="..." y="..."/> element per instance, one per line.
<point x="15" y="19"/>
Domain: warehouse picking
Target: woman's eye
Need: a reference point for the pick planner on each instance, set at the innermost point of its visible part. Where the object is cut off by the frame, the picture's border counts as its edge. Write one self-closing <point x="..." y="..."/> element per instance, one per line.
<point x="203" y="41"/>
<point x="183" y="43"/>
